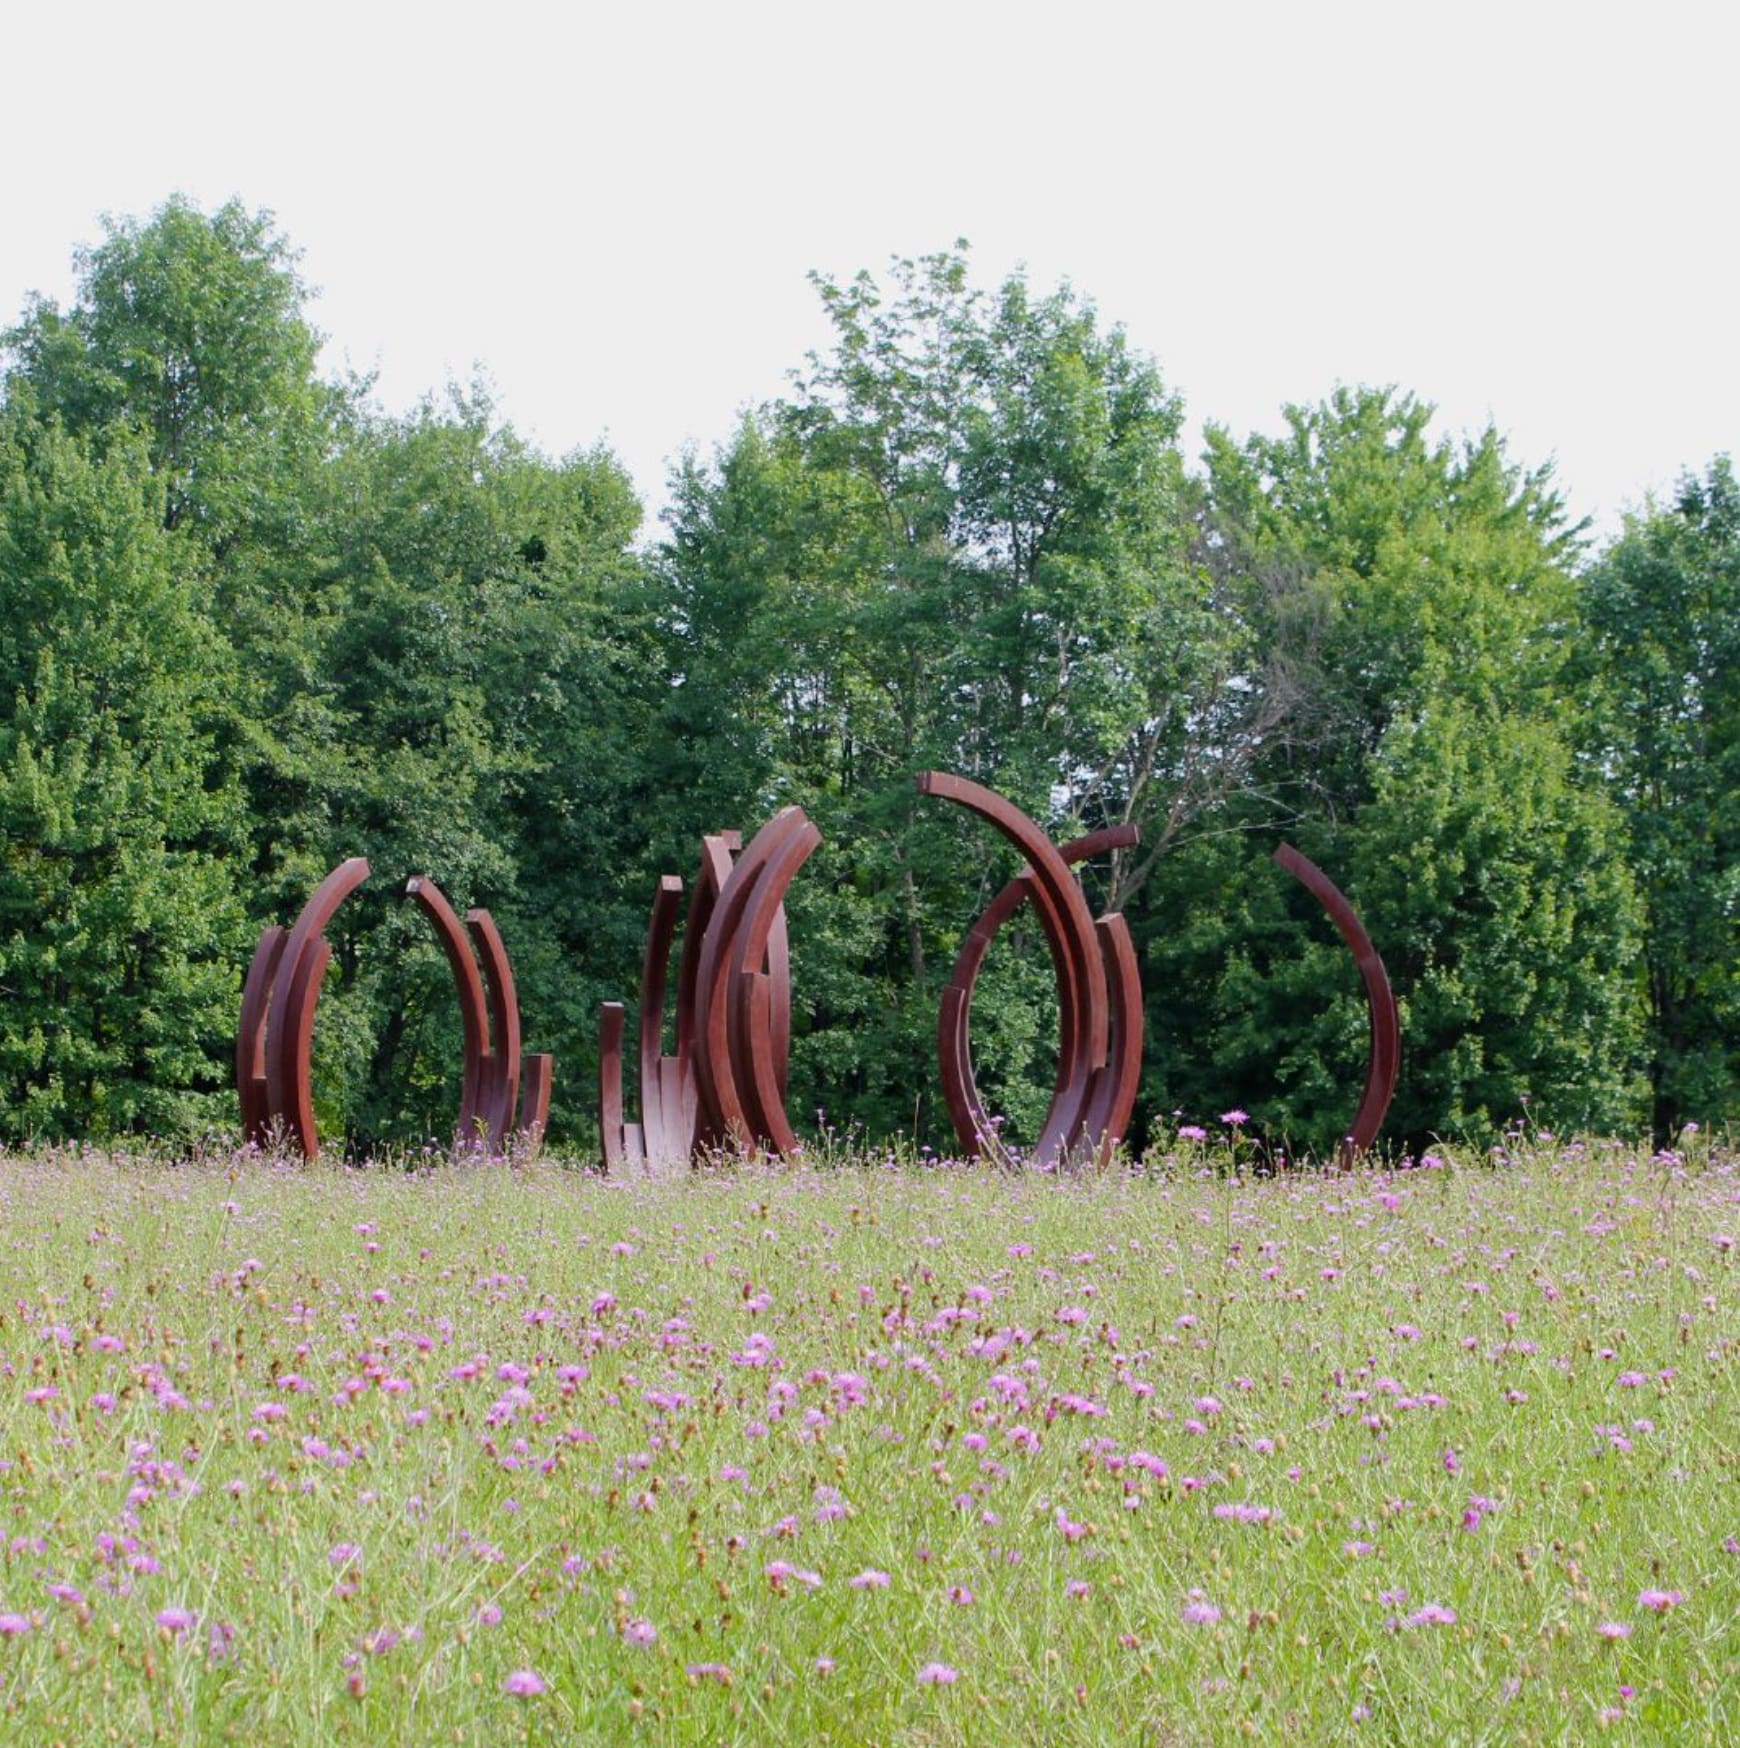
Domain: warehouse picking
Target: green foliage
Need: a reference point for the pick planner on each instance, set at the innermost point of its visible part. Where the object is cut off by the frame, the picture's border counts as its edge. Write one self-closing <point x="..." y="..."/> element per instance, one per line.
<point x="1422" y="600"/>
<point x="967" y="541"/>
<point x="1663" y="660"/>
<point x="253" y="625"/>
<point x="1498" y="887"/>
<point x="190" y="329"/>
<point x="326" y="633"/>
<point x="118" y="820"/>
<point x="1304" y="1458"/>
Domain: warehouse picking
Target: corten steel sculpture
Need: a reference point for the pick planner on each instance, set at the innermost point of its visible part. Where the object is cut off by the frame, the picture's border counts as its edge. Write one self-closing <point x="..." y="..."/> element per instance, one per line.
<point x="1386" y="1031"/>
<point x="725" y="1087"/>
<point x="1099" y="1054"/>
<point x="275" y="1036"/>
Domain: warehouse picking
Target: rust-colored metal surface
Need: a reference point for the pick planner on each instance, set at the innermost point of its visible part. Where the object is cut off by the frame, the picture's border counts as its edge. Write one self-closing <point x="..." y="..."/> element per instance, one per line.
<point x="724" y="1089"/>
<point x="251" y="1037"/>
<point x="274" y="1039"/>
<point x="667" y="1106"/>
<point x="1386" y="1030"/>
<point x="623" y="1145"/>
<point x="468" y="984"/>
<point x="489" y="1013"/>
<point x="1099" y="1056"/>
<point x="290" y="1015"/>
<point x="500" y="1092"/>
<point x="535" y="1082"/>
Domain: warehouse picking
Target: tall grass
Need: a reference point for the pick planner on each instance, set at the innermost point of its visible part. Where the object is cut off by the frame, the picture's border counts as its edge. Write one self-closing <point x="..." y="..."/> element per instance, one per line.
<point x="870" y="1454"/>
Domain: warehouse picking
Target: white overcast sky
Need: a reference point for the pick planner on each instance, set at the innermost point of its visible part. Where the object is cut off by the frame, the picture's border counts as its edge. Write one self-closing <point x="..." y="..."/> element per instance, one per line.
<point x="1524" y="212"/>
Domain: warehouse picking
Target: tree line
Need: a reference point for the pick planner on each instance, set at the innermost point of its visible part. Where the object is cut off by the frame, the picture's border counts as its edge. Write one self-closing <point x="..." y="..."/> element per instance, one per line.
<point x="251" y="623"/>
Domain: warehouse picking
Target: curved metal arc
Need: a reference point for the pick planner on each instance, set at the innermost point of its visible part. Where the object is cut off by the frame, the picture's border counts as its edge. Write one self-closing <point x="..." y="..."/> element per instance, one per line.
<point x="753" y="1021"/>
<point x="612" y="1131"/>
<point x="715" y="1072"/>
<point x="1069" y="1115"/>
<point x="718" y="851"/>
<point x="290" y="1016"/>
<point x="468" y="985"/>
<point x="251" y="1035"/>
<point x="1075" y="1072"/>
<point x="1113" y="1099"/>
<point x="501" y="1086"/>
<point x="1052" y="876"/>
<point x="303" y="981"/>
<point x="535" y="1087"/>
<point x="1386" y="1032"/>
<point x="661" y="1118"/>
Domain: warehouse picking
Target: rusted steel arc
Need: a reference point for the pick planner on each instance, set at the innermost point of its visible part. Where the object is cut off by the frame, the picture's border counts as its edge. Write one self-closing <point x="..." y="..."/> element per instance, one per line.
<point x="1113" y="1099"/>
<point x="501" y="1087"/>
<point x="1380" y="1001"/>
<point x="251" y="1035"/>
<point x="611" y="1021"/>
<point x="473" y="1017"/>
<point x="661" y="1128"/>
<point x="290" y="1018"/>
<point x="973" y="1127"/>
<point x="779" y="999"/>
<point x="1016" y="893"/>
<point x="717" y="853"/>
<point x="535" y="1083"/>
<point x="1075" y="1073"/>
<point x="304" y="980"/>
<point x="752" y="1018"/>
<point x="715" y="1076"/>
<point x="1051" y="876"/>
<point x="717" y="1067"/>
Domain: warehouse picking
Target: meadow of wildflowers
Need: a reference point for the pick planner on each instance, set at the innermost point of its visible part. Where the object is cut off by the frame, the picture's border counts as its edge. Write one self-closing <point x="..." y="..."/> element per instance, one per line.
<point x="872" y="1454"/>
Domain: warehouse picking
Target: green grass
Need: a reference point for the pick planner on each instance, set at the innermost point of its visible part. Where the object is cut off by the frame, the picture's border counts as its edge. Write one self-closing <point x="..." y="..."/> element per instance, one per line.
<point x="272" y="1398"/>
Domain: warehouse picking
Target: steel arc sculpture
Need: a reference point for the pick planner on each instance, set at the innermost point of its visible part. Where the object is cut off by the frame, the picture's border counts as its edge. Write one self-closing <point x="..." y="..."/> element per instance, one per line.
<point x="1386" y="1030"/>
<point x="1099" y="1054"/>
<point x="724" y="1089"/>
<point x="502" y="1094"/>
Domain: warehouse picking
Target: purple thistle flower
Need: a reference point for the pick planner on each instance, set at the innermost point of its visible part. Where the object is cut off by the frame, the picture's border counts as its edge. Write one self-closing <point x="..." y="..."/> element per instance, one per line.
<point x="526" y="1683"/>
<point x="1433" y="1614"/>
<point x="937" y="1675"/>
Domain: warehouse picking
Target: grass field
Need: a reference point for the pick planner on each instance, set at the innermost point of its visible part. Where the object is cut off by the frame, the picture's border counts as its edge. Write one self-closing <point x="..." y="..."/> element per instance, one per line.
<point x="871" y="1454"/>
